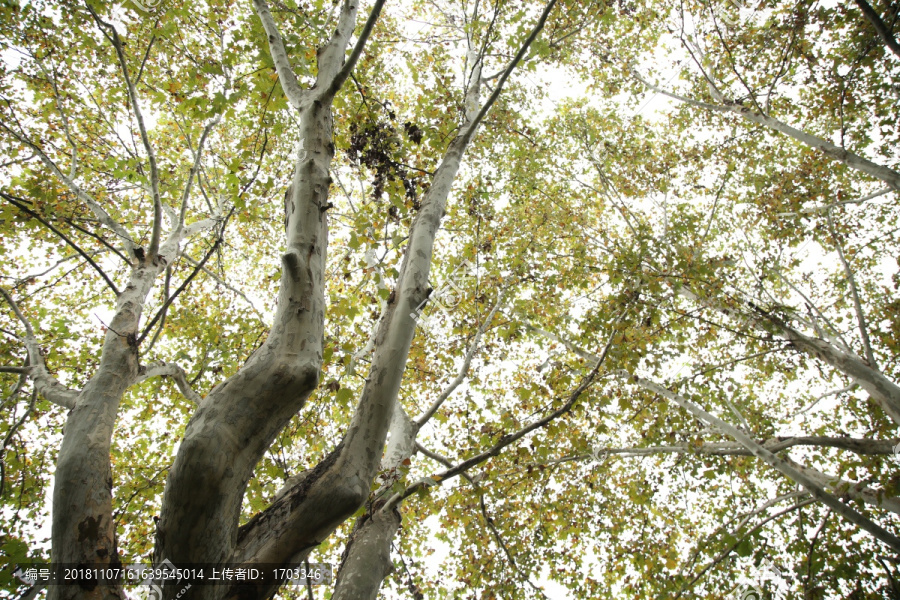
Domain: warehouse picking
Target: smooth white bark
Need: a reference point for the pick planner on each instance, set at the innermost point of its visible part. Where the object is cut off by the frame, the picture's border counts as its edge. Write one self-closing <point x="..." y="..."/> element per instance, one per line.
<point x="176" y="373"/>
<point x="785" y="466"/>
<point x="882" y="390"/>
<point x="852" y="160"/>
<point x="45" y="383"/>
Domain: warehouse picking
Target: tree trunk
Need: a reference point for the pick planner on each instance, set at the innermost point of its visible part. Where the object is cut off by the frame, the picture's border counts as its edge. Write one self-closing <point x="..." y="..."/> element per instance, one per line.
<point x="83" y="532"/>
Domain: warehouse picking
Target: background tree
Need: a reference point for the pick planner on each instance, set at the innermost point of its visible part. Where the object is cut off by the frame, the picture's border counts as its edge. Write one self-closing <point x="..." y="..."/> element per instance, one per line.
<point x="623" y="347"/>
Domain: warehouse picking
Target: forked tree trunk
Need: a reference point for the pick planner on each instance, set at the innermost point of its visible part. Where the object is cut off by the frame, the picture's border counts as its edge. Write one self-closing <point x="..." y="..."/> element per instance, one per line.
<point x="234" y="425"/>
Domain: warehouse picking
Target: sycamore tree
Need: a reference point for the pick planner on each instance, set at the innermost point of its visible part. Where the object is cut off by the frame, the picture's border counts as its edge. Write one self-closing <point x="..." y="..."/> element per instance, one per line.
<point x="469" y="299"/>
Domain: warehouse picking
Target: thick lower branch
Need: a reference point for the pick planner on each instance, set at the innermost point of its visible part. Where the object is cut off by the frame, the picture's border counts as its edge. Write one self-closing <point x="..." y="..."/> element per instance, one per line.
<point x="367" y="559"/>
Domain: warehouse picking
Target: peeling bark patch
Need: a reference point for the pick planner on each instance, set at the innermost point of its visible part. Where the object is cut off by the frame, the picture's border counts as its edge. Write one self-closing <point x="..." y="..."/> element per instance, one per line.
<point x="318" y="471"/>
<point x="89" y="529"/>
<point x="86" y="584"/>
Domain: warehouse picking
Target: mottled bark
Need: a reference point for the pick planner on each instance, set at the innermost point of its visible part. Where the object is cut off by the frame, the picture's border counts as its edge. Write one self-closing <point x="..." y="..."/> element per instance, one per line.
<point x="234" y="425"/>
<point x="367" y="560"/>
<point x="367" y="556"/>
<point x="237" y="422"/>
<point x="83" y="531"/>
<point x="303" y="516"/>
<point x="82" y="528"/>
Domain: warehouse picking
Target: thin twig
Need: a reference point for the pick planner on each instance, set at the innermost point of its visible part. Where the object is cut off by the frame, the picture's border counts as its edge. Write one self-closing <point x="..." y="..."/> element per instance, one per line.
<point x="165" y="307"/>
<point x="851" y="281"/>
<point x="464" y="368"/>
<point x="16" y="202"/>
<point x="508" y="439"/>
<point x="12" y="432"/>
<point x="113" y="37"/>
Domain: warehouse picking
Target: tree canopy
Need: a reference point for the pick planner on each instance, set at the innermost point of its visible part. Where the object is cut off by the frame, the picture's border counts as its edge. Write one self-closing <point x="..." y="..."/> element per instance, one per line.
<point x="469" y="299"/>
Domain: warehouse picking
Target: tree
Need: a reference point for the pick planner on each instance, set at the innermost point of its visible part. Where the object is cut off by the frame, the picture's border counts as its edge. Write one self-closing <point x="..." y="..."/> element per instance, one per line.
<point x="333" y="282"/>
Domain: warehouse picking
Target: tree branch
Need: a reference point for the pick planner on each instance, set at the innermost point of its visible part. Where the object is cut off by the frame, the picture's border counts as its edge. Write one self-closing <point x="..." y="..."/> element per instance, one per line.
<point x="165" y="307"/>
<point x="849" y="489"/>
<point x="724" y="553"/>
<point x="864" y="199"/>
<point x="780" y="464"/>
<point x="167" y="283"/>
<point x="9" y="435"/>
<point x="331" y="55"/>
<point x="44" y="382"/>
<point x="286" y="75"/>
<point x="490" y="523"/>
<point x="835" y="485"/>
<point x="82" y="195"/>
<point x="73" y="170"/>
<point x="464" y="368"/>
<point x="394" y="336"/>
<point x="860" y="446"/>
<point x="837" y="392"/>
<point x="100" y="239"/>
<point x="508" y="439"/>
<point x="335" y="85"/>
<point x="194" y="169"/>
<point x="745" y="519"/>
<point x="226" y="285"/>
<point x="18" y="203"/>
<point x="883" y="391"/>
<point x="113" y="37"/>
<point x="851" y="281"/>
<point x="881" y="28"/>
<point x="473" y="123"/>
<point x="168" y="369"/>
<point x="854" y="161"/>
